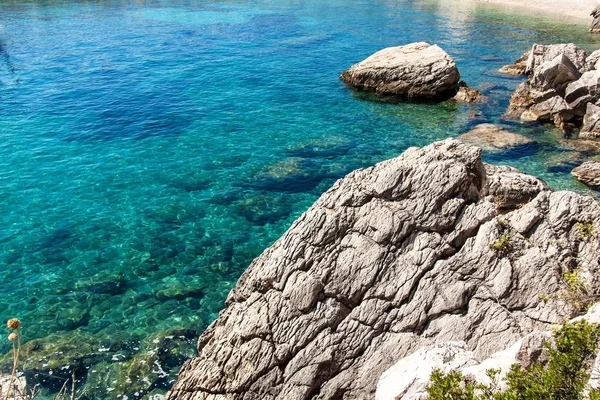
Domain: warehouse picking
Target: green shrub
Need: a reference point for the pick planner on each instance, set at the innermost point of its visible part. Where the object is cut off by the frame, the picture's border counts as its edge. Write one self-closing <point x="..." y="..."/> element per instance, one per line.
<point x="564" y="377"/>
<point x="585" y="229"/>
<point x="502" y="245"/>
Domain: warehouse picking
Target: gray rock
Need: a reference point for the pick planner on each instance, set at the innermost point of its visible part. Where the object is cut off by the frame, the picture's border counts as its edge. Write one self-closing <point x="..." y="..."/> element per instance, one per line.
<point x="392" y="258"/>
<point x="548" y="110"/>
<point x="492" y="137"/>
<point x="468" y="95"/>
<point x="584" y="90"/>
<point x="591" y="122"/>
<point x="555" y="74"/>
<point x="414" y="71"/>
<point x="518" y="68"/>
<point x="541" y="54"/>
<point x="588" y="173"/>
<point x="591" y="62"/>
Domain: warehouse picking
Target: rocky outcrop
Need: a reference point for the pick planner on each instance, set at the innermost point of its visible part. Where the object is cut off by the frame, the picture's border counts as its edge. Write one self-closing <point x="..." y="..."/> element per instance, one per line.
<point x="412" y="252"/>
<point x="562" y="80"/>
<point x="588" y="173"/>
<point x="595" y="28"/>
<point x="518" y="68"/>
<point x="414" y="71"/>
<point x="493" y="138"/>
<point x="591" y="123"/>
<point x="409" y="377"/>
<point x="541" y="54"/>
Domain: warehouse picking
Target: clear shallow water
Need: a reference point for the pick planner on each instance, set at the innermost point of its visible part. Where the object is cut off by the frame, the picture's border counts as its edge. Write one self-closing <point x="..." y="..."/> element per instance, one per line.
<point x="150" y="150"/>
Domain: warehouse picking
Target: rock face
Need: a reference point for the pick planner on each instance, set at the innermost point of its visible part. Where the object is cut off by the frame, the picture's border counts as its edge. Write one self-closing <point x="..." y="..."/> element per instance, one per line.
<point x="411" y="252"/>
<point x="409" y="377"/>
<point x="492" y="137"/>
<point x="414" y="71"/>
<point x="588" y="173"/>
<point x="562" y="80"/>
<point x="591" y="123"/>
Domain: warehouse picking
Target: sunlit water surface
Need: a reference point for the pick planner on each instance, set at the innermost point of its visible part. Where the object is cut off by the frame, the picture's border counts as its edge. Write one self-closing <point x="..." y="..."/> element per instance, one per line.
<point x="150" y="150"/>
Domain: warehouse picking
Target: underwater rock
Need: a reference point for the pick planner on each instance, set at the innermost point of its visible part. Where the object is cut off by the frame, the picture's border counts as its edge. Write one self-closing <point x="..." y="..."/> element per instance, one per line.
<point x="146" y="371"/>
<point x="322" y="147"/>
<point x="492" y="137"/>
<point x="591" y="123"/>
<point x="408" y="253"/>
<point x="518" y="68"/>
<point x="179" y="291"/>
<point x="293" y="174"/>
<point x="104" y="283"/>
<point x="48" y="362"/>
<point x="588" y="173"/>
<point x="263" y="208"/>
<point x="413" y="71"/>
<point x="467" y="95"/>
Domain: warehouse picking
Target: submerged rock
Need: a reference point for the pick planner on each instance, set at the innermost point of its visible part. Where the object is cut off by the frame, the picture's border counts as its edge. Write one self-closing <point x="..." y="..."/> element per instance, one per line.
<point x="414" y="71"/>
<point x="492" y="137"/>
<point x="411" y="252"/>
<point x="588" y="173"/>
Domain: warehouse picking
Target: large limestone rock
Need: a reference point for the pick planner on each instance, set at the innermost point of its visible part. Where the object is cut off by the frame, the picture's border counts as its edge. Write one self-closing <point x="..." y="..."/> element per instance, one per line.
<point x="492" y="137"/>
<point x="585" y="90"/>
<point x="411" y="252"/>
<point x="588" y="173"/>
<point x="541" y="54"/>
<point x="554" y="74"/>
<point x="414" y="71"/>
<point x="591" y="123"/>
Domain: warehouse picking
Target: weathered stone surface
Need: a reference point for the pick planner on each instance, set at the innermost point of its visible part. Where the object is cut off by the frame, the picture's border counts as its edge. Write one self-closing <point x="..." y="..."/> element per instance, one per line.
<point x="540" y="54"/>
<point x="408" y="378"/>
<point x="591" y="122"/>
<point x="518" y="68"/>
<point x="467" y="95"/>
<point x="392" y="258"/>
<point x="584" y="90"/>
<point x="547" y="110"/>
<point x="588" y="173"/>
<point x="414" y="71"/>
<point x="492" y="137"/>
<point x="554" y="74"/>
<point x="591" y="62"/>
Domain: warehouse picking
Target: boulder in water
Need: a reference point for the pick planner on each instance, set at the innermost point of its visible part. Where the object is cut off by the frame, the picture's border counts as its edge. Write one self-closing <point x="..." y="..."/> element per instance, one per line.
<point x="414" y="71"/>
<point x="588" y="173"/>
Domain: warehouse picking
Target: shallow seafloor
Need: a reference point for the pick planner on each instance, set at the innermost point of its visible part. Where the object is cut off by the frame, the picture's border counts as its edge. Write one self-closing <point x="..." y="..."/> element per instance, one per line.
<point x="149" y="150"/>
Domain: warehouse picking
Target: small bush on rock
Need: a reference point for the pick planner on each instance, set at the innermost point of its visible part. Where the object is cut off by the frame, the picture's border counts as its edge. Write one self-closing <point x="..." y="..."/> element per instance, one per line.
<point x="564" y="377"/>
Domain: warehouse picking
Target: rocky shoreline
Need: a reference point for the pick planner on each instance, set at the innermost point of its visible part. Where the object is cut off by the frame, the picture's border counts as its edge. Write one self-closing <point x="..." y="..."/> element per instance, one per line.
<point x="430" y="247"/>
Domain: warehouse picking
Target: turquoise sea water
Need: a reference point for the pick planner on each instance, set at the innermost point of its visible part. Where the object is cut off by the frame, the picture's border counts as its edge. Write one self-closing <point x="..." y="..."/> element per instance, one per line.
<point x="149" y="150"/>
